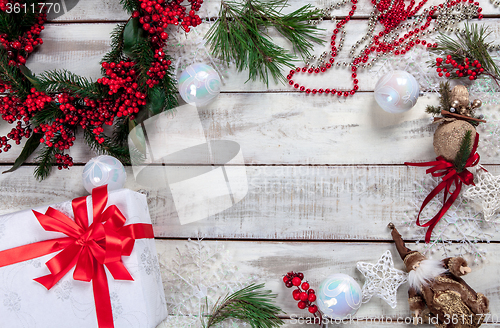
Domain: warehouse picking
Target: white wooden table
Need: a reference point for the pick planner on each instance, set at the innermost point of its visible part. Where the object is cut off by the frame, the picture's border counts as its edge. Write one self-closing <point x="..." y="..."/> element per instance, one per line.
<point x="325" y="176"/>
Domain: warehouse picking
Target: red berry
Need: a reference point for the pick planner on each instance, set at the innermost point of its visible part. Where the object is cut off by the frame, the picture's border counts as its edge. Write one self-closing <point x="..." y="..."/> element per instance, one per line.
<point x="303" y="296"/>
<point x="313" y="309"/>
<point x="289" y="284"/>
<point x="311" y="297"/>
<point x="301" y="305"/>
<point x="311" y="291"/>
<point x="285" y="279"/>
<point x="305" y="285"/>
<point x="296" y="294"/>
<point x="296" y="281"/>
<point x="300" y="275"/>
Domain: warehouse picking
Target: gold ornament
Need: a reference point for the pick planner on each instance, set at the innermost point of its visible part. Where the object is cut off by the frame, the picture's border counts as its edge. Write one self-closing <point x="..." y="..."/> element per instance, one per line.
<point x="476" y="103"/>
<point x="460" y="99"/>
<point x="448" y="138"/>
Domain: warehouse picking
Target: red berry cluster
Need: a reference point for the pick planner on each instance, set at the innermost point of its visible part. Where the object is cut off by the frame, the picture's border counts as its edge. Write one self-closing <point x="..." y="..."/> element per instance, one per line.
<point x="156" y="15"/>
<point x="450" y="67"/>
<point x="121" y="80"/>
<point x="63" y="161"/>
<point x="305" y="295"/>
<point x="158" y="68"/>
<point x="12" y="109"/>
<point x="19" y="49"/>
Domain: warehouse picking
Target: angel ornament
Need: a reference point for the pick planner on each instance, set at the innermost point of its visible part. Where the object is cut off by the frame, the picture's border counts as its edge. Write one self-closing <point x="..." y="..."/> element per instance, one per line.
<point x="437" y="294"/>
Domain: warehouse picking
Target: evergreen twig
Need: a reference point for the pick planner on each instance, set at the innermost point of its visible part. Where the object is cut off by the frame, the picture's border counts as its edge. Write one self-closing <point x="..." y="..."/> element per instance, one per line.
<point x="470" y="43"/>
<point x="250" y="304"/>
<point x="59" y="80"/>
<point x="108" y="147"/>
<point x="44" y="161"/>
<point x="12" y="76"/>
<point x="240" y="35"/>
<point x="445" y="95"/>
<point x="116" y="52"/>
<point x="130" y="5"/>
<point x="464" y="152"/>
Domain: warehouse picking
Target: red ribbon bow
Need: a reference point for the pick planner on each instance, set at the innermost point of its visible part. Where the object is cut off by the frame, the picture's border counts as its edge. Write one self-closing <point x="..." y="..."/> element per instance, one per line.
<point x="443" y="168"/>
<point x="89" y="248"/>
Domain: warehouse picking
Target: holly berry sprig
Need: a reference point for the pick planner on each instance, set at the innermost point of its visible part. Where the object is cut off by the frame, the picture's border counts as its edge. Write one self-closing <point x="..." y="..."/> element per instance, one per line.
<point x="452" y="69"/>
<point x="303" y="293"/>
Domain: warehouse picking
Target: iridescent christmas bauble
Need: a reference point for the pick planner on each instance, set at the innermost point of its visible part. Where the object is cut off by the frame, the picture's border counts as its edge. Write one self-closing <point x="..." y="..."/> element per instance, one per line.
<point x="339" y="296"/>
<point x="199" y="84"/>
<point x="397" y="92"/>
<point x="102" y="170"/>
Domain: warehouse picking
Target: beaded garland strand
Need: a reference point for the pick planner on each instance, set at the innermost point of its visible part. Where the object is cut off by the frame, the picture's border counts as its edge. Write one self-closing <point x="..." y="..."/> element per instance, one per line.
<point x="391" y="14"/>
<point x="53" y="113"/>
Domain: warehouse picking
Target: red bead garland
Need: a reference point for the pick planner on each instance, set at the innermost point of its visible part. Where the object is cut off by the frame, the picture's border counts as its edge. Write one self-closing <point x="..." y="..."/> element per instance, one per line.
<point x="393" y="13"/>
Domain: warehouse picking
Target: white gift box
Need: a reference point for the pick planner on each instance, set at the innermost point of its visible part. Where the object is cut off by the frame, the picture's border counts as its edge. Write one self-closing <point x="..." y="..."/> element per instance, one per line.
<point x="24" y="303"/>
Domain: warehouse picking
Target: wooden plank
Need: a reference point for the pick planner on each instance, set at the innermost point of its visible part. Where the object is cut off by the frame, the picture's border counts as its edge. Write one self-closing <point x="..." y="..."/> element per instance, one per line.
<point x="284" y="128"/>
<point x="80" y="47"/>
<point x="283" y="202"/>
<point x="92" y="10"/>
<point x="269" y="261"/>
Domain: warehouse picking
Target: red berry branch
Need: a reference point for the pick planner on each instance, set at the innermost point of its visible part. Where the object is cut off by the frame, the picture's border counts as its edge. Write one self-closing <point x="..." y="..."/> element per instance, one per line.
<point x="451" y="68"/>
<point x="303" y="293"/>
<point x="48" y="108"/>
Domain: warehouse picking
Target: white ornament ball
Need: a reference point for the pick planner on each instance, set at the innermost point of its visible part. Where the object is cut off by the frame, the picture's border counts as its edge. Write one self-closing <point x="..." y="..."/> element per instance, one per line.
<point x="339" y="296"/>
<point x="102" y="170"/>
<point x="397" y="92"/>
<point x="199" y="84"/>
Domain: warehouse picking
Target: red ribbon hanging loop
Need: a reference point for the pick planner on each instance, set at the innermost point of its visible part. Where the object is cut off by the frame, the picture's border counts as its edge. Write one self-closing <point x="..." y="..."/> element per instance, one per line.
<point x="450" y="177"/>
<point x="87" y="248"/>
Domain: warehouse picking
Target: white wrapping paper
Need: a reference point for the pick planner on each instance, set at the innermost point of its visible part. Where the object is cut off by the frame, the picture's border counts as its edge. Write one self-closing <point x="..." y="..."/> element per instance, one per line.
<point x="24" y="303"/>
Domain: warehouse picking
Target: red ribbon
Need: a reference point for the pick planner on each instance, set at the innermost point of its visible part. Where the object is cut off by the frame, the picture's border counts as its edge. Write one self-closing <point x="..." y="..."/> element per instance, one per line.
<point x="443" y="168"/>
<point x="89" y="248"/>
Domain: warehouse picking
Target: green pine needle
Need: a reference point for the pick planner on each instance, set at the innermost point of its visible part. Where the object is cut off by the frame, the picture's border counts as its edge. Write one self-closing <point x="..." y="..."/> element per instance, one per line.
<point x="45" y="161"/>
<point x="108" y="147"/>
<point x="130" y="5"/>
<point x="433" y="110"/>
<point x="251" y="305"/>
<point x="63" y="80"/>
<point x="116" y="53"/>
<point x="13" y="76"/>
<point x="445" y="95"/>
<point x="240" y="35"/>
<point x="144" y="57"/>
<point x="464" y="152"/>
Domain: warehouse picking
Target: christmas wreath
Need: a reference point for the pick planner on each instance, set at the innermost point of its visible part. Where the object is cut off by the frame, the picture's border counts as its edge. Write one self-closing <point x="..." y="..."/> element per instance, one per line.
<point x="47" y="109"/>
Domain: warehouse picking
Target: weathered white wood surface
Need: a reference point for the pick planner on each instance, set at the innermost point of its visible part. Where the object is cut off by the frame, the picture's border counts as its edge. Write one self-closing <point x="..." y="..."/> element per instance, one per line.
<point x="295" y="128"/>
<point x="283" y="202"/>
<point x="269" y="261"/>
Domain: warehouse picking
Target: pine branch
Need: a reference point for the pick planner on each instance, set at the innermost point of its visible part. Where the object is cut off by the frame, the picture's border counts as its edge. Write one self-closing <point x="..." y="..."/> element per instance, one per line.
<point x="240" y="35"/>
<point x="470" y="43"/>
<point x="108" y="147"/>
<point x="120" y="131"/>
<point x="294" y="26"/>
<point x="16" y="24"/>
<point x="464" y="152"/>
<point x="45" y="161"/>
<point x="433" y="110"/>
<point x="13" y="76"/>
<point x="47" y="115"/>
<point x="251" y="305"/>
<point x="144" y="57"/>
<point x="445" y="95"/>
<point x="130" y="5"/>
<point x="116" y="53"/>
<point x="63" y="80"/>
<point x="169" y="85"/>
